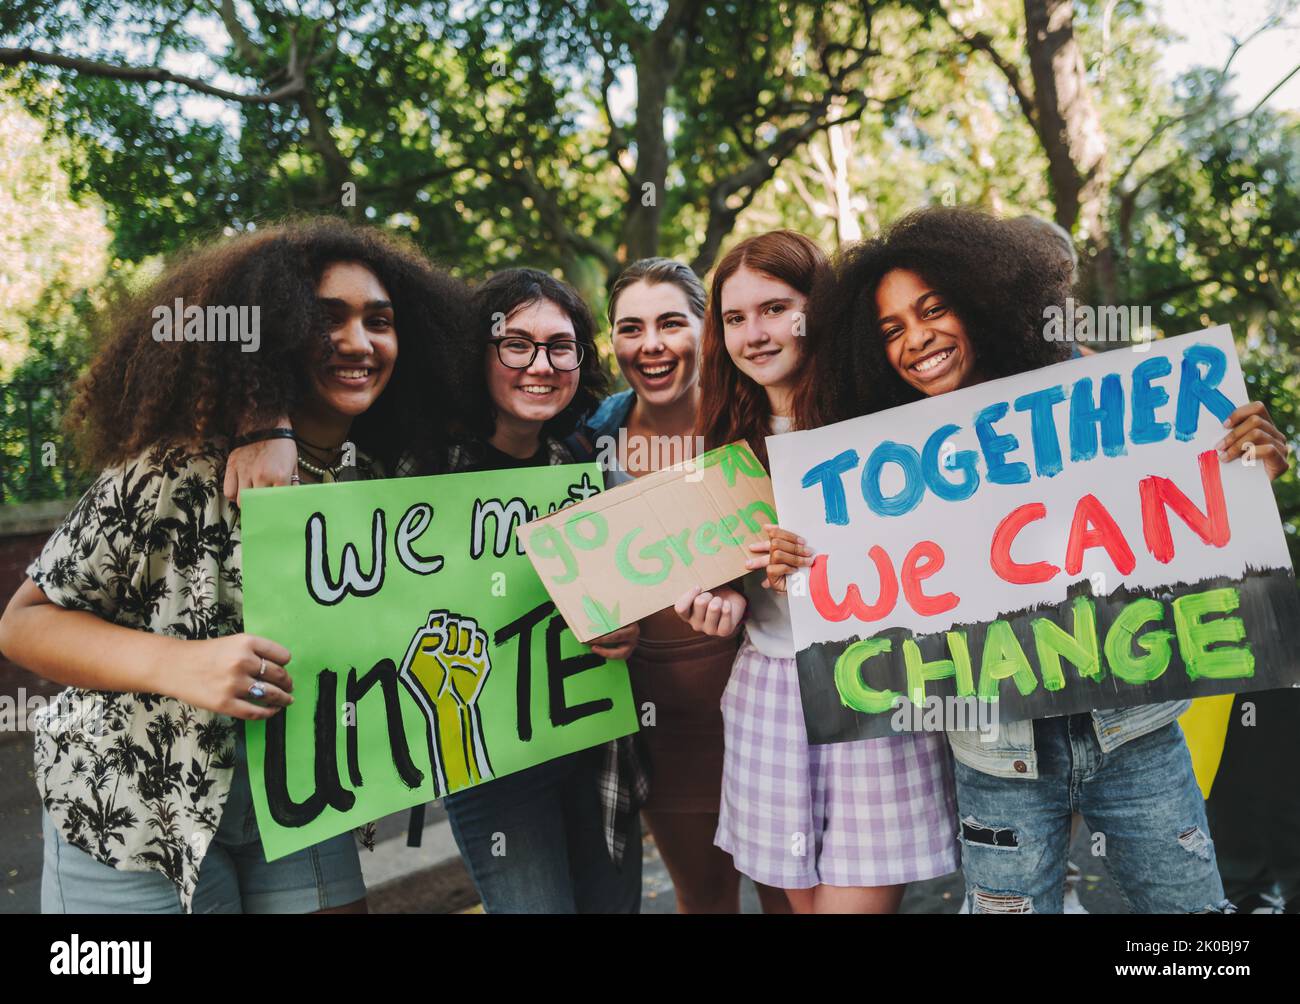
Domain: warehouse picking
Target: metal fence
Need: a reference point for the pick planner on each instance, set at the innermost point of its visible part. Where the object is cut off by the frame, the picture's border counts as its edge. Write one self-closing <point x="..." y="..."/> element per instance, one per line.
<point x="36" y="460"/>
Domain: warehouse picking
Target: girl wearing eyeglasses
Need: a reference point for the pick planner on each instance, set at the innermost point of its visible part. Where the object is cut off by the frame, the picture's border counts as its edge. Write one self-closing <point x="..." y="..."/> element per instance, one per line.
<point x="564" y="836"/>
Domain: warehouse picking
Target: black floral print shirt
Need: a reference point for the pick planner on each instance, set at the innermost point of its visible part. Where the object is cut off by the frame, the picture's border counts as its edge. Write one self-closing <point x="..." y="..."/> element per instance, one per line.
<point x="138" y="781"/>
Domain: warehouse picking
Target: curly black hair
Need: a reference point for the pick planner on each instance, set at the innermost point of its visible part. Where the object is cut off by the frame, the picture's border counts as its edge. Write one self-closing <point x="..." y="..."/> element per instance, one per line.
<point x="139" y="392"/>
<point x="501" y="295"/>
<point x="997" y="276"/>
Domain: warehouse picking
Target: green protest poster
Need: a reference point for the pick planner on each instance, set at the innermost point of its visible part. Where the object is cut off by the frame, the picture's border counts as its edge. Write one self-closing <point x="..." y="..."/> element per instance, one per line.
<point x="427" y="656"/>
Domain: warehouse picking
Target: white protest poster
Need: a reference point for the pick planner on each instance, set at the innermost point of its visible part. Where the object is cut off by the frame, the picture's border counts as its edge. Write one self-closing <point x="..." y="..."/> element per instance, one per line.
<point x="1053" y="542"/>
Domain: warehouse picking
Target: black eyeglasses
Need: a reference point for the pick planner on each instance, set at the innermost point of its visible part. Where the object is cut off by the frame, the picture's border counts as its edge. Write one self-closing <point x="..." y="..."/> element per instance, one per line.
<point x="518" y="353"/>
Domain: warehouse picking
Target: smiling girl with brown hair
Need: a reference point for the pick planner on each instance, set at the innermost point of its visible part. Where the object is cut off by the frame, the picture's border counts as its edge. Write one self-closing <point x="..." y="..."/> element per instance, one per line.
<point x="842" y="828"/>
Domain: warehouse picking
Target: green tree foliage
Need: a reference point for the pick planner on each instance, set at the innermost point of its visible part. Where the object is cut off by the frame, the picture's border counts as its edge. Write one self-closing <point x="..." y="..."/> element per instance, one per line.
<point x="53" y="257"/>
<point x="1215" y="239"/>
<point x="52" y="248"/>
<point x="579" y="134"/>
<point x="547" y="131"/>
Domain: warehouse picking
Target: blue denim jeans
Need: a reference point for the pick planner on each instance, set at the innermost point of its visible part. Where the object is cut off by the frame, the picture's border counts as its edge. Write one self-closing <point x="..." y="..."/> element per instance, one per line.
<point x="235" y="876"/>
<point x="1140" y="803"/>
<point x="534" y="842"/>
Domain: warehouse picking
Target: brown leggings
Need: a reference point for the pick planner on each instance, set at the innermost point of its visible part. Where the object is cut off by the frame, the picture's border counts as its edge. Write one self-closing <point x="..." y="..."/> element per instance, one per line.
<point x="704" y="876"/>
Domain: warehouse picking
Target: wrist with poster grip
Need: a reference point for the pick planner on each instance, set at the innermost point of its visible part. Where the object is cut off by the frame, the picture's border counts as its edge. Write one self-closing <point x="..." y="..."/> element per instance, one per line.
<point x="261" y="435"/>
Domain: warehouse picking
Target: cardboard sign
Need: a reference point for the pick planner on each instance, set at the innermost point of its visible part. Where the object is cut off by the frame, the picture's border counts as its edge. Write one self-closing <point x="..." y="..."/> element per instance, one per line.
<point x="635" y="549"/>
<point x="1054" y="542"/>
<point x="427" y="657"/>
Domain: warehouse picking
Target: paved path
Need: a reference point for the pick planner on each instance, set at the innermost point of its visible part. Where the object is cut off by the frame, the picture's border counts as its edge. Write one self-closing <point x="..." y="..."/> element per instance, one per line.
<point x="428" y="879"/>
<point x="20" y="827"/>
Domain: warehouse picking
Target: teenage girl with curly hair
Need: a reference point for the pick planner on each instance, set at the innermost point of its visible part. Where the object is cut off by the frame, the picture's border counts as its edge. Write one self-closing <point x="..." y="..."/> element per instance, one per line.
<point x="135" y="603"/>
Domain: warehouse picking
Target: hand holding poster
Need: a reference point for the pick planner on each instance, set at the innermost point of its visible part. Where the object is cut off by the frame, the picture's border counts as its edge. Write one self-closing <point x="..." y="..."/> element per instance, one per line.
<point x="628" y="552"/>
<point x="426" y="654"/>
<point x="1058" y="541"/>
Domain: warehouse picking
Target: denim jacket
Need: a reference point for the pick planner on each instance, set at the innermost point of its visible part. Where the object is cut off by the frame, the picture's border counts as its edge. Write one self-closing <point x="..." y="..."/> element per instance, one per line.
<point x="610" y="416"/>
<point x="1011" y="753"/>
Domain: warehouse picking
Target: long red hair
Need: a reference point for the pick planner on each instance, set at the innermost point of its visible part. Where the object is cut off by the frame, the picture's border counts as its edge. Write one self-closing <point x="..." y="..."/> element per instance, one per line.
<point x="732" y="406"/>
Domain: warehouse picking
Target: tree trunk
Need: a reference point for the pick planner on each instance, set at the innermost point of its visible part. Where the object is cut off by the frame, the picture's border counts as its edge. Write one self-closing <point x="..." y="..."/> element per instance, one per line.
<point x="645" y="195"/>
<point x="1072" y="136"/>
<point x="847" y="228"/>
<point x="338" y="171"/>
<point x="658" y="58"/>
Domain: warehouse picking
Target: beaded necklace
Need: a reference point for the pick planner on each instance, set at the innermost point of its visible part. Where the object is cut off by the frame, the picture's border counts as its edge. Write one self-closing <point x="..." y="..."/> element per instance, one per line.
<point x="326" y="473"/>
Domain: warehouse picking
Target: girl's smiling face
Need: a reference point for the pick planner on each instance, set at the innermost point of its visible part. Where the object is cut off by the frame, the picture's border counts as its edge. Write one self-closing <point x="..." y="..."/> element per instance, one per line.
<point x="656" y="341"/>
<point x="539" y="392"/>
<point x="762" y="320"/>
<point x="925" y="341"/>
<point x="363" y="340"/>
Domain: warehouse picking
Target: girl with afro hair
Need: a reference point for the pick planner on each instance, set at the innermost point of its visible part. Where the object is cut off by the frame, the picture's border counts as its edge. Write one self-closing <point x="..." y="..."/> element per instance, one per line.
<point x="135" y="603"/>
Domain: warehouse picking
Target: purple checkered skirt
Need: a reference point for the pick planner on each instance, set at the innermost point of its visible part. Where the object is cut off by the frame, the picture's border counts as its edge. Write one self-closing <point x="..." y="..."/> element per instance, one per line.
<point x="867" y="813"/>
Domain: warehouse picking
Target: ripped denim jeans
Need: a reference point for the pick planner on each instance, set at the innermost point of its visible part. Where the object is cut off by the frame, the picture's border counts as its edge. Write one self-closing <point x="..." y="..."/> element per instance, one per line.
<point x="1141" y="805"/>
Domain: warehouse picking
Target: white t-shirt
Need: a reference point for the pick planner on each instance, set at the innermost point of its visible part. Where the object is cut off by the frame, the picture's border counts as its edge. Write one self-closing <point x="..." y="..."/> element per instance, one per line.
<point x="767" y="622"/>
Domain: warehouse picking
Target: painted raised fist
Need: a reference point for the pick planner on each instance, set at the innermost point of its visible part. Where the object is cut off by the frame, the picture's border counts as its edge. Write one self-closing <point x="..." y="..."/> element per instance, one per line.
<point x="445" y="669"/>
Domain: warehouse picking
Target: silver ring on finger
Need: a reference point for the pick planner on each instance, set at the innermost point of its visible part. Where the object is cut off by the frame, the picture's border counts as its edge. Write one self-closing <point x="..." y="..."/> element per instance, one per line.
<point x="256" y="692"/>
<point x="261" y="669"/>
